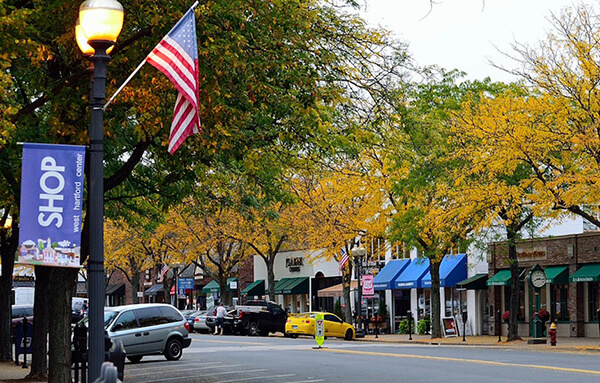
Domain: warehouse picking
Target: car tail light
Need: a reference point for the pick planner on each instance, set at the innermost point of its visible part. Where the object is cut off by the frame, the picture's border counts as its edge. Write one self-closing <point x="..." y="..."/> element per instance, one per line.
<point x="196" y="320"/>
<point x="187" y="325"/>
<point x="240" y="314"/>
<point x="307" y="321"/>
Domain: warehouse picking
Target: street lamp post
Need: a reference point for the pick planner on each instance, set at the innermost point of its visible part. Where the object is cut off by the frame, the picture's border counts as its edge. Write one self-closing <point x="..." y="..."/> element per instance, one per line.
<point x="100" y="23"/>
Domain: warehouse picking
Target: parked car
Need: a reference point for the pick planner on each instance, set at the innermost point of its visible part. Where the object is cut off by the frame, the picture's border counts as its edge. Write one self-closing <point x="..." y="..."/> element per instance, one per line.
<point x="200" y="322"/>
<point x="231" y="323"/>
<point x="189" y="315"/>
<point x="148" y="329"/>
<point x="20" y="311"/>
<point x="304" y="324"/>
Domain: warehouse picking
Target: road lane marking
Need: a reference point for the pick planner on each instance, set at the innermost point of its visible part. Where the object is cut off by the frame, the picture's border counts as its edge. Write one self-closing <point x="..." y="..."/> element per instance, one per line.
<point x="256" y="377"/>
<point x="307" y="381"/>
<point x="133" y="373"/>
<point x="489" y="362"/>
<point x="178" y="378"/>
<point x="231" y="342"/>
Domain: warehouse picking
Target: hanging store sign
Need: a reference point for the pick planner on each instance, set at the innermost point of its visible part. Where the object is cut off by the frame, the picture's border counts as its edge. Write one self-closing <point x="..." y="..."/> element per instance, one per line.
<point x="368" y="287"/>
<point x="51" y="205"/>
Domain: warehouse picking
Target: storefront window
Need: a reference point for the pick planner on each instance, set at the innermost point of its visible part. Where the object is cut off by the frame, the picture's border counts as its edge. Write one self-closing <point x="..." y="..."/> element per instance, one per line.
<point x="424" y="303"/>
<point x="453" y="302"/>
<point x="521" y="314"/>
<point x="593" y="300"/>
<point x="559" y="296"/>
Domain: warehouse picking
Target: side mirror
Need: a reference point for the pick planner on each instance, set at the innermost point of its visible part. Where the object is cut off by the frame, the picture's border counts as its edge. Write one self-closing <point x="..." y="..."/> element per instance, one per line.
<point x="117" y="327"/>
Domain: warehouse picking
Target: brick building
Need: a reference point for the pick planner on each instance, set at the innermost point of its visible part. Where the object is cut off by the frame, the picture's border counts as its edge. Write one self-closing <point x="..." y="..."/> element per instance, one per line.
<point x="571" y="294"/>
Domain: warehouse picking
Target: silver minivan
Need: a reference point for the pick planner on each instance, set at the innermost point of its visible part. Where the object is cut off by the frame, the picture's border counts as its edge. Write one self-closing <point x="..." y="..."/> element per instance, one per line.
<point x="148" y="329"/>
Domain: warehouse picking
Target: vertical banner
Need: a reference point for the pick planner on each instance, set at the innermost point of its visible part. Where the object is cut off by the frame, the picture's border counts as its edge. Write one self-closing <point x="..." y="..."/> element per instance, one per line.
<point x="368" y="287"/>
<point x="51" y="203"/>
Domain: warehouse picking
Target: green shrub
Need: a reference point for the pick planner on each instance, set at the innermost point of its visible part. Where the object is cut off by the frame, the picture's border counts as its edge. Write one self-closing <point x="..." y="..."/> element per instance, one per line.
<point x="423" y="326"/>
<point x="403" y="326"/>
<point x="337" y="310"/>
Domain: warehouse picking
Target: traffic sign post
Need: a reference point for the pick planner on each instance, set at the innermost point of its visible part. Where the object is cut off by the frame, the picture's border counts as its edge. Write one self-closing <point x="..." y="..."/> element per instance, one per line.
<point x="319" y="329"/>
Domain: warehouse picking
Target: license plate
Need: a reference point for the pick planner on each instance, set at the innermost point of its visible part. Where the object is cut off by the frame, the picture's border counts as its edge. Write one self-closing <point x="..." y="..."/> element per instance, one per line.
<point x="294" y="327"/>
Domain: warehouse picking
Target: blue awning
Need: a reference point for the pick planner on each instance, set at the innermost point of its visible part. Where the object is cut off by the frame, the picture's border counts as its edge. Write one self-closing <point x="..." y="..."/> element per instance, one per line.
<point x="453" y="269"/>
<point x="413" y="274"/>
<point x="385" y="279"/>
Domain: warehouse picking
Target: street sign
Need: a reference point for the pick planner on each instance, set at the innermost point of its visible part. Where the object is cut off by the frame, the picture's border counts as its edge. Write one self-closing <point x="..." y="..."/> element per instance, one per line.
<point x="319" y="329"/>
<point x="185" y="284"/>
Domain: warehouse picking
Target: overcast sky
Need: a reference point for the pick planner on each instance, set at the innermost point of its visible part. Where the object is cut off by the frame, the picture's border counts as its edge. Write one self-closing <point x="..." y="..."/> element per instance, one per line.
<point x="462" y="34"/>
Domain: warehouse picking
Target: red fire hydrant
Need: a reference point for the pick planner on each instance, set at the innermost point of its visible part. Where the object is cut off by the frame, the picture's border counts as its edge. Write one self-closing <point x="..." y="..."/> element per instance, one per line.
<point x="552" y="333"/>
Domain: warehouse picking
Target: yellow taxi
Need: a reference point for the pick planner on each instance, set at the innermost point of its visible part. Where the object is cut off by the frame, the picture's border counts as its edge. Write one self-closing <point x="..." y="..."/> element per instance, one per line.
<point x="304" y="324"/>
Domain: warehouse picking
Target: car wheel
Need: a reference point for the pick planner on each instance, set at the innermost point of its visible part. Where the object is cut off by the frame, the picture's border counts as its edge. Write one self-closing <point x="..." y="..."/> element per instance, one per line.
<point x="293" y="336"/>
<point x="135" y="358"/>
<point x="264" y="333"/>
<point x="348" y="334"/>
<point x="253" y="329"/>
<point x="173" y="350"/>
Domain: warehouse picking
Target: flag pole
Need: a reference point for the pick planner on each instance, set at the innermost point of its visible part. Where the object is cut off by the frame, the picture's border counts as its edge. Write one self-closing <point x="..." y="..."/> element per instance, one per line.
<point x="141" y="65"/>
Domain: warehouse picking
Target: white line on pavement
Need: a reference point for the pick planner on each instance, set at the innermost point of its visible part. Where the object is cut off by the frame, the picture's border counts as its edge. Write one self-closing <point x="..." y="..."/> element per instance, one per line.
<point x="256" y="377"/>
<point x="186" y="370"/>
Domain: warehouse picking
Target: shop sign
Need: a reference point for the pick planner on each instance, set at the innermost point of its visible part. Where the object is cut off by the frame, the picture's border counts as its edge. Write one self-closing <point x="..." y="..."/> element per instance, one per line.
<point x="51" y="205"/>
<point x="531" y="253"/>
<point x="368" y="287"/>
<point x="294" y="264"/>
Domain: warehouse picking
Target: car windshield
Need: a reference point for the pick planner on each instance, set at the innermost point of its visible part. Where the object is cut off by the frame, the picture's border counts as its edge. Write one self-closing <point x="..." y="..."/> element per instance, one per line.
<point x="109" y="316"/>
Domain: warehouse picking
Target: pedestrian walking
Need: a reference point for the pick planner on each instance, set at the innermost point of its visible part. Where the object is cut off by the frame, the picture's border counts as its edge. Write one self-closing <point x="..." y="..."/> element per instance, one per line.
<point x="221" y="312"/>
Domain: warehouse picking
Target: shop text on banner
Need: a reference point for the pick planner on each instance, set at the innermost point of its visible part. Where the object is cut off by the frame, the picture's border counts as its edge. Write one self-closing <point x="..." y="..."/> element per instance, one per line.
<point x="51" y="205"/>
<point x="368" y="287"/>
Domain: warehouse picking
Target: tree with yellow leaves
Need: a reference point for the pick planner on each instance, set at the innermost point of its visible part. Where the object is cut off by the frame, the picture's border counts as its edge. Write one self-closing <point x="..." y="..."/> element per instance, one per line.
<point x="338" y="206"/>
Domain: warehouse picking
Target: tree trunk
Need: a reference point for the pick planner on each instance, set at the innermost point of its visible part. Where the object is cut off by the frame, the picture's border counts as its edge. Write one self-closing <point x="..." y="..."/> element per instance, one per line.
<point x="513" y="325"/>
<point x="271" y="277"/>
<point x="62" y="282"/>
<point x="135" y="287"/>
<point x="346" y="280"/>
<point x="8" y="247"/>
<point x="436" y="327"/>
<point x="39" y="355"/>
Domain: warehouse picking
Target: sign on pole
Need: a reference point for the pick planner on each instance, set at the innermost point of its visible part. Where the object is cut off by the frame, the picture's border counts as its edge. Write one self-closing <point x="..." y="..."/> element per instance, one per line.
<point x="319" y="329"/>
<point x="368" y="287"/>
<point x="51" y="203"/>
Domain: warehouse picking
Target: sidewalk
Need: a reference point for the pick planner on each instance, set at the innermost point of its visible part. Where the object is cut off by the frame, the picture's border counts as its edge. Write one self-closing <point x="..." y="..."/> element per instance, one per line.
<point x="591" y="345"/>
<point x="9" y="372"/>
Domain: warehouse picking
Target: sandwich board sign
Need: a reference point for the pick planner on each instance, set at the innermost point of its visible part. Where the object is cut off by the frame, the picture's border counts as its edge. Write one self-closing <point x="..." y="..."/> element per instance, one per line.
<point x="319" y="329"/>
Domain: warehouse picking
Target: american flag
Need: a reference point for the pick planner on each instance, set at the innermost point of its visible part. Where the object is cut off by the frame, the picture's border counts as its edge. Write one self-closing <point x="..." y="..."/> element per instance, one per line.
<point x="343" y="260"/>
<point x="176" y="55"/>
<point x="163" y="271"/>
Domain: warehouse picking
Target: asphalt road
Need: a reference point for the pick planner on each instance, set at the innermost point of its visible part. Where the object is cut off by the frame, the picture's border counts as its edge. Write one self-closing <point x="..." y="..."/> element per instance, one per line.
<point x="283" y="360"/>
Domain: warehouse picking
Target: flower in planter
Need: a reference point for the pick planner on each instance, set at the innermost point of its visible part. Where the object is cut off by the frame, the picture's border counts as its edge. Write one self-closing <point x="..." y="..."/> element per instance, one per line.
<point x="506" y="315"/>
<point x="544" y="315"/>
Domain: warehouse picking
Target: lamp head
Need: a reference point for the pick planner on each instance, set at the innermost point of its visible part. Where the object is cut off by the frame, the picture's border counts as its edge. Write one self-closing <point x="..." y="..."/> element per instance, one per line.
<point x="100" y="20"/>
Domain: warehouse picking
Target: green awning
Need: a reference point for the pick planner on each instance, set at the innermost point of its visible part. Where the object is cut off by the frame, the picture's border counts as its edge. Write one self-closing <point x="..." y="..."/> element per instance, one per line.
<point x="587" y="273"/>
<point x="557" y="274"/>
<point x="213" y="286"/>
<point x="255" y="288"/>
<point x="290" y="286"/>
<point x="501" y="278"/>
<point x="476" y="282"/>
<point x="280" y="284"/>
<point x="297" y="286"/>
